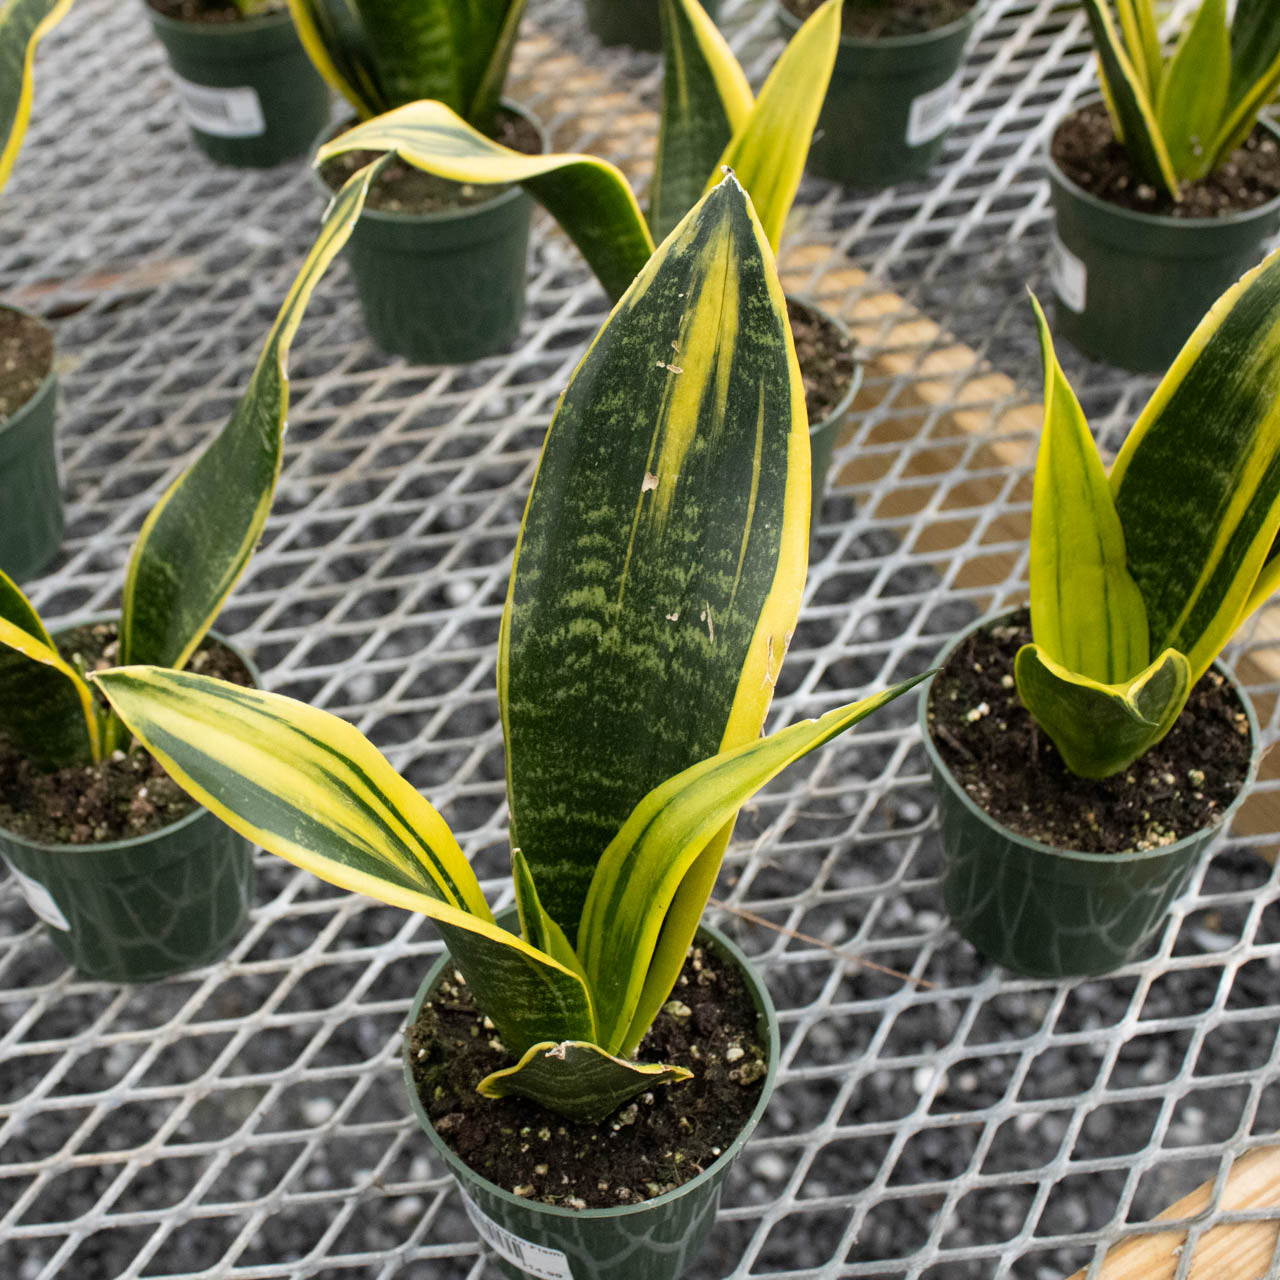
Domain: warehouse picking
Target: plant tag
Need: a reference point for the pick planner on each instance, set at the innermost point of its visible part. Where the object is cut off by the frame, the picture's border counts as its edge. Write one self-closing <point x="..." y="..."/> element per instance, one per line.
<point x="1069" y="275"/>
<point x="931" y="112"/>
<point x="40" y="900"/>
<point x="225" y="113"/>
<point x="533" y="1259"/>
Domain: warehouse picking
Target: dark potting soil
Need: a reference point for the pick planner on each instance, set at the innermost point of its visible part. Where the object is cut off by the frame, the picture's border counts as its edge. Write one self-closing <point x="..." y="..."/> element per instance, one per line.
<point x="400" y="188"/>
<point x="826" y="360"/>
<point x="652" y="1145"/>
<point x="211" y="12"/>
<point x="1085" y="149"/>
<point x="26" y="356"/>
<point x="1012" y="771"/>
<point x="876" y="19"/>
<point x="128" y="794"/>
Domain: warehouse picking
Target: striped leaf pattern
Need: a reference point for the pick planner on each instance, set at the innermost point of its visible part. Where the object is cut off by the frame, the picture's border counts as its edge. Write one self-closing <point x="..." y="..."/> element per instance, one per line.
<point x="1197" y="483"/>
<point x="1142" y="39"/>
<point x="588" y="197"/>
<point x="705" y="101"/>
<point x="1255" y="71"/>
<point x="382" y="54"/>
<point x="1087" y="613"/>
<point x="46" y="708"/>
<point x="22" y="24"/>
<point x="577" y="1079"/>
<point x="198" y="538"/>
<point x="660" y="563"/>
<point x="768" y="154"/>
<point x="307" y="786"/>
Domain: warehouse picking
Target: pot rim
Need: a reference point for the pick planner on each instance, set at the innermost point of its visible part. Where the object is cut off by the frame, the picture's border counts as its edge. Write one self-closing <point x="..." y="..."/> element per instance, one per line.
<point x="514" y="191"/>
<point x="943" y="32"/>
<point x="129" y="842"/>
<point x="1129" y="856"/>
<point x="46" y="383"/>
<point x="768" y="1015"/>
<point x="843" y="405"/>
<point x="1135" y="216"/>
<point x="222" y="30"/>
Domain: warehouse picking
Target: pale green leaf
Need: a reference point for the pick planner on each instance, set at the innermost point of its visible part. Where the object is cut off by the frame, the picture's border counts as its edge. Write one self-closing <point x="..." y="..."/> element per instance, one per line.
<point x="1193" y="91"/>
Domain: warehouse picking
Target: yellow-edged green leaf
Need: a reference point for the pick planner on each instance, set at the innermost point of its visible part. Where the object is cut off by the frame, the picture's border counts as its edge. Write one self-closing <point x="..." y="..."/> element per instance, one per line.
<point x="198" y="538"/>
<point x="1193" y="91"/>
<point x="588" y="197"/>
<point x="45" y="706"/>
<point x="1255" y="72"/>
<point x="1127" y="96"/>
<point x="1197" y="482"/>
<point x="382" y="54"/>
<point x="644" y="864"/>
<point x="662" y="554"/>
<point x="1086" y="610"/>
<point x="1098" y="728"/>
<point x="1142" y="41"/>
<point x="577" y="1079"/>
<point x="22" y="24"/>
<point x="538" y="928"/>
<point x="705" y="101"/>
<point x="768" y="154"/>
<point x="309" y="787"/>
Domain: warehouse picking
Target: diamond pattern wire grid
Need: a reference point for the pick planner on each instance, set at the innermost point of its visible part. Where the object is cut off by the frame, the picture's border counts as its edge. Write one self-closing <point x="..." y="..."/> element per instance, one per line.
<point x="246" y="1120"/>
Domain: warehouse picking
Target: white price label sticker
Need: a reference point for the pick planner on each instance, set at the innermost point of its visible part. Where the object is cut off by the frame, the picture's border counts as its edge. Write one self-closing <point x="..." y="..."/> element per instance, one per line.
<point x="224" y="113"/>
<point x="931" y="112"/>
<point x="40" y="900"/>
<point x="533" y="1259"/>
<point x="1069" y="275"/>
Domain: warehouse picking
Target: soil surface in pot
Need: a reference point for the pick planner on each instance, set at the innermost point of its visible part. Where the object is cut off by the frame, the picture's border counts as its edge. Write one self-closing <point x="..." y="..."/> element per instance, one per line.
<point x="400" y="188"/>
<point x="1084" y="147"/>
<point x="128" y="794"/>
<point x="826" y="360"/>
<point x="648" y="1147"/>
<point x="875" y="19"/>
<point x="26" y="356"/>
<point x="1012" y="771"/>
<point x="211" y="12"/>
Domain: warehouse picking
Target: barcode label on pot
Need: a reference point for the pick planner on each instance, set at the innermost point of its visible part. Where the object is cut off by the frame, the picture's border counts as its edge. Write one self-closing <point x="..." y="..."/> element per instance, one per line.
<point x="225" y="113"/>
<point x="1069" y="275"/>
<point x="40" y="900"/>
<point x="534" y="1259"/>
<point x="931" y="112"/>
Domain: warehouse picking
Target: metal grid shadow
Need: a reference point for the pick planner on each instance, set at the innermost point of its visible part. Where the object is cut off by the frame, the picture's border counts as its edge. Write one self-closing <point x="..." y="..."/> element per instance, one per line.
<point x="246" y="1120"/>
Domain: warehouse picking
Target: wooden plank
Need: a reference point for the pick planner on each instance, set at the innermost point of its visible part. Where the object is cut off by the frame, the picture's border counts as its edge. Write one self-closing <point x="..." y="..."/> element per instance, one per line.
<point x="1230" y="1251"/>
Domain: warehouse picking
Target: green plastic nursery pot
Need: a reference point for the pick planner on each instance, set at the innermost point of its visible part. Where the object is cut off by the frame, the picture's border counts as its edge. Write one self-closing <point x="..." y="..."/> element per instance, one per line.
<point x="1130" y="287"/>
<point x="634" y="22"/>
<point x="654" y="1240"/>
<point x="247" y="89"/>
<point x="889" y="105"/>
<point x="1056" y="913"/>
<point x="824" y="435"/>
<point x="140" y="909"/>
<point x="446" y="287"/>
<point x="31" y="523"/>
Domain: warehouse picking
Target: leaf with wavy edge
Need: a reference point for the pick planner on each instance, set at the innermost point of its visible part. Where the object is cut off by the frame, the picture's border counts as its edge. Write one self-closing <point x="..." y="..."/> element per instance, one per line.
<point x="46" y="708"/>
<point x="1100" y="729"/>
<point x="23" y="23"/>
<point x="199" y="537"/>
<point x="309" y="787"/>
<point x="577" y="1079"/>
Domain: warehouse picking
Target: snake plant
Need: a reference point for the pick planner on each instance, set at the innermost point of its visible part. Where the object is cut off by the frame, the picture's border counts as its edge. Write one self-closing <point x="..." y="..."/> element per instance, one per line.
<point x="1180" y="117"/>
<point x="1139" y="579"/>
<point x="657" y="579"/>
<point x="710" y="121"/>
<point x="22" y="24"/>
<point x="382" y="54"/>
<point x="192" y="548"/>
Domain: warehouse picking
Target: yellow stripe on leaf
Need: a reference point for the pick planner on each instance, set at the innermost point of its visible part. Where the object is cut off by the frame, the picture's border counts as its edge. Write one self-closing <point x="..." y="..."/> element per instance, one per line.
<point x="23" y="24"/>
